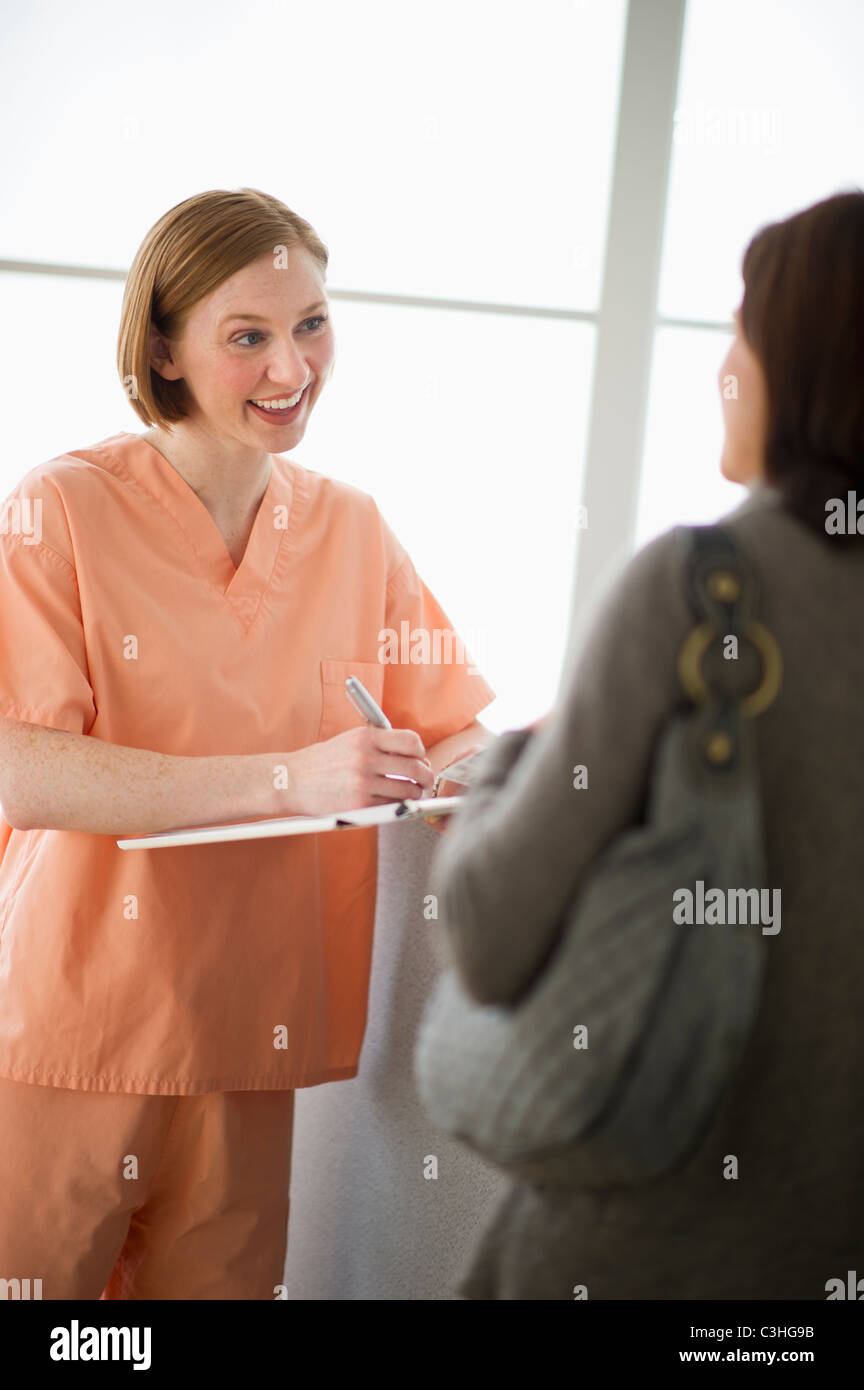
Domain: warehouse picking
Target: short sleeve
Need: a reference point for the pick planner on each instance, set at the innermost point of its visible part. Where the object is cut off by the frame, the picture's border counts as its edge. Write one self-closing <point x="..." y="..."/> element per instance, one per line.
<point x="44" y="676"/>
<point x="430" y="681"/>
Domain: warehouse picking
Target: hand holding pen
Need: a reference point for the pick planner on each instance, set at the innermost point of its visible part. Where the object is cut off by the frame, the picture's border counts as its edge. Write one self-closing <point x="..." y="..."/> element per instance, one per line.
<point x="369" y="765"/>
<point x="374" y="715"/>
<point x="372" y="712"/>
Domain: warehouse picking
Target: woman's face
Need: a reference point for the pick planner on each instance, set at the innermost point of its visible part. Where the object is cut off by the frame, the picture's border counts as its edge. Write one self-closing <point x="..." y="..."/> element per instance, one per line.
<point x="744" y="401"/>
<point x="262" y="335"/>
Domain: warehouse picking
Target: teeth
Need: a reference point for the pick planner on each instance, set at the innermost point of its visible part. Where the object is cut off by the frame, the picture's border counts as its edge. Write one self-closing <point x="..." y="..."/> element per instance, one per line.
<point x="284" y="403"/>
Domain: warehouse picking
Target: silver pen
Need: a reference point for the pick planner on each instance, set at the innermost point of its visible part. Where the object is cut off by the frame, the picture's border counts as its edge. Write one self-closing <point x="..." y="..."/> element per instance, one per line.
<point x="365" y="705"/>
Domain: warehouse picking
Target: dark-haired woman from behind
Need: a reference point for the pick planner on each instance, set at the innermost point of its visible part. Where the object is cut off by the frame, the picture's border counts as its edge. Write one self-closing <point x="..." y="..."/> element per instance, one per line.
<point x="785" y="1220"/>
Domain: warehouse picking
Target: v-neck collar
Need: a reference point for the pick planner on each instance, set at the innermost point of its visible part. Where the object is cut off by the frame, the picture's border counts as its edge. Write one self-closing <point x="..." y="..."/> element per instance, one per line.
<point x="244" y="585"/>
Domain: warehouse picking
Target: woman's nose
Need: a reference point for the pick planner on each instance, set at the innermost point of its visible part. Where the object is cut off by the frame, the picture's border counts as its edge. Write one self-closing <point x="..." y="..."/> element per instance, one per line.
<point x="288" y="365"/>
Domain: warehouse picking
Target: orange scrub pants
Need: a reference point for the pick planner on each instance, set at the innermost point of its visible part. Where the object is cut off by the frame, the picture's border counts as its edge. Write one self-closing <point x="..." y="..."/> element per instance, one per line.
<point x="206" y="1217"/>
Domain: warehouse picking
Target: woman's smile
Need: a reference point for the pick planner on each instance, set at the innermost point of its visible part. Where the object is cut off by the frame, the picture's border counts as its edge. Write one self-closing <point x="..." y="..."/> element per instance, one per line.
<point x="275" y="416"/>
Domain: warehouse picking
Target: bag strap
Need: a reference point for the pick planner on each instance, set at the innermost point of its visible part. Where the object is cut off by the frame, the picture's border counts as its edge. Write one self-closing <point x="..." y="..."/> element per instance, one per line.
<point x="722" y="591"/>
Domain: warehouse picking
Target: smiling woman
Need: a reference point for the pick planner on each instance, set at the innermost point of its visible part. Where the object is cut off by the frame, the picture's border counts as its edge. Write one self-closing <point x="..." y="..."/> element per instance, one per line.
<point x="245" y="362"/>
<point x="230" y="383"/>
<point x="167" y="658"/>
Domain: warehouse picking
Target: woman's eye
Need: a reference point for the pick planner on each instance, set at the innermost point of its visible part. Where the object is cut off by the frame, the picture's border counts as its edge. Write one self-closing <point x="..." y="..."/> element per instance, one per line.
<point x="318" y="322"/>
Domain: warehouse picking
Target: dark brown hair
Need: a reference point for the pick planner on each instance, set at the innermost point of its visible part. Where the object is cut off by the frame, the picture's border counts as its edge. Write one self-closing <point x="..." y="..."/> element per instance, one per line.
<point x="802" y="314"/>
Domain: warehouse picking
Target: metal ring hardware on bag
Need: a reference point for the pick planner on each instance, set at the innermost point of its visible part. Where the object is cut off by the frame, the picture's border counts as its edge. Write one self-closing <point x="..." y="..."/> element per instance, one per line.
<point x="697" y="642"/>
<point x="725" y="587"/>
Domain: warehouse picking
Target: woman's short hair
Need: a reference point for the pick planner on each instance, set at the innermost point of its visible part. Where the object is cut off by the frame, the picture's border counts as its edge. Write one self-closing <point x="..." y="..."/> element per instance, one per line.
<point x="194" y="247"/>
<point x="802" y="314"/>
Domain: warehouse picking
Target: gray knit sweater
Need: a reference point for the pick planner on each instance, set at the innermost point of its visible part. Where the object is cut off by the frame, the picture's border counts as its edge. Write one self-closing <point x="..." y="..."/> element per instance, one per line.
<point x="793" y="1218"/>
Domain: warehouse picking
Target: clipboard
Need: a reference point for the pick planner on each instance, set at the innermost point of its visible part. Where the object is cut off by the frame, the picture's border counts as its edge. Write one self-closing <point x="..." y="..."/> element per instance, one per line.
<point x="362" y="818"/>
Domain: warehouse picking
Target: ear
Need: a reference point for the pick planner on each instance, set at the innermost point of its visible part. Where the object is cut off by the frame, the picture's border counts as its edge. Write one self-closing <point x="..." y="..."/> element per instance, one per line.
<point x="160" y="356"/>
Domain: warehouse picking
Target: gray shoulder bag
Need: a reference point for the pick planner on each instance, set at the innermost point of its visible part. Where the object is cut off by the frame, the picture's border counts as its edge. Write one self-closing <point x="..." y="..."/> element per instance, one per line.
<point x="662" y="1009"/>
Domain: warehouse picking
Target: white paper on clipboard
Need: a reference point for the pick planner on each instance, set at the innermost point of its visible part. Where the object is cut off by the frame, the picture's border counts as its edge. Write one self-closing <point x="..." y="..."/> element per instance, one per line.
<point x="392" y="813"/>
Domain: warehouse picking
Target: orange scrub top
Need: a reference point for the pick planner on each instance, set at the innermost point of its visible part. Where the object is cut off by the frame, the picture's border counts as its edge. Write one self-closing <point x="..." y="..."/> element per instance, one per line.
<point x="239" y="966"/>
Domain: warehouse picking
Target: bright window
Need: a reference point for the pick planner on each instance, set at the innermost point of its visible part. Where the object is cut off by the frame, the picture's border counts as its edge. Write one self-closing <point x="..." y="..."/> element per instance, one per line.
<point x="769" y="116"/>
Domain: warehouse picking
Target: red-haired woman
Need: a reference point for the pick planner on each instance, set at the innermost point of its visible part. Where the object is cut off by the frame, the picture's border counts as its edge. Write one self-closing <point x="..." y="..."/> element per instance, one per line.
<point x="174" y="646"/>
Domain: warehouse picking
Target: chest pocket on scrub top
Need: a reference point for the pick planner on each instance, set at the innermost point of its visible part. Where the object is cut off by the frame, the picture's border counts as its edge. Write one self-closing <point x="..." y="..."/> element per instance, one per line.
<point x="337" y="711"/>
